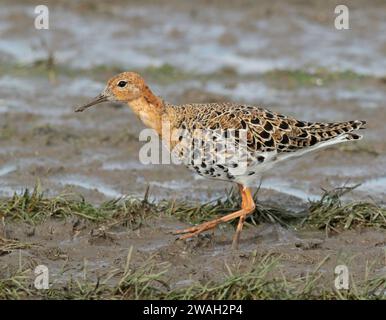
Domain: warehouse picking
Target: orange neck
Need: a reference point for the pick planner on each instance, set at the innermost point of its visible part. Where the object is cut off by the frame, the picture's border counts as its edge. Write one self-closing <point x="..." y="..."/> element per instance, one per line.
<point x="149" y="108"/>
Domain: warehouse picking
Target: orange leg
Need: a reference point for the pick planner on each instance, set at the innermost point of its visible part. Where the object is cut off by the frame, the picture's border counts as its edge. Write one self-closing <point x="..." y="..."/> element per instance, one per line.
<point x="247" y="207"/>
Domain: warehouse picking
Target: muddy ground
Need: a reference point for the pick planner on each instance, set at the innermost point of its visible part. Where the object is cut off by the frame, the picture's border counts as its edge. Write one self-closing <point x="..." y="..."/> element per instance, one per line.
<point x="88" y="252"/>
<point x="288" y="57"/>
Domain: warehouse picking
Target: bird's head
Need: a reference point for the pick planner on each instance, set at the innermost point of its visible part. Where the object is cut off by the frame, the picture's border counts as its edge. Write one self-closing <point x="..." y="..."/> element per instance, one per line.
<point x="124" y="87"/>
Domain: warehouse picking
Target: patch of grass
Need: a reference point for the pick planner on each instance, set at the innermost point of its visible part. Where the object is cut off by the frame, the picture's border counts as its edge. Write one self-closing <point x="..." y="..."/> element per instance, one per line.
<point x="168" y="74"/>
<point x="48" y="69"/>
<point x="6" y="131"/>
<point x="165" y="74"/>
<point x="9" y="245"/>
<point x="331" y="214"/>
<point x="264" y="280"/>
<point x="193" y="213"/>
<point x="147" y="281"/>
<point x="33" y="207"/>
<point x="256" y="283"/>
<point x="319" y="77"/>
<point x="267" y="281"/>
<point x="143" y="282"/>
<point x="197" y="213"/>
<point x="14" y="287"/>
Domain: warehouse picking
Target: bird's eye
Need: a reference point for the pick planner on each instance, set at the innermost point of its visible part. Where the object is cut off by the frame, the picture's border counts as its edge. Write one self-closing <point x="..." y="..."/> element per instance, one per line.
<point x="122" y="83"/>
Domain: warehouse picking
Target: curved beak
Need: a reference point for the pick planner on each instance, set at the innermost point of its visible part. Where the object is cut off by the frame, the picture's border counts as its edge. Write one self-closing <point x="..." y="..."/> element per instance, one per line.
<point x="96" y="100"/>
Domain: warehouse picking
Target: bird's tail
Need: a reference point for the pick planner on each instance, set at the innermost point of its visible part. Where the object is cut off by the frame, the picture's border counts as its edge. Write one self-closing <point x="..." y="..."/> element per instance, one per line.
<point x="345" y="130"/>
<point x="315" y="135"/>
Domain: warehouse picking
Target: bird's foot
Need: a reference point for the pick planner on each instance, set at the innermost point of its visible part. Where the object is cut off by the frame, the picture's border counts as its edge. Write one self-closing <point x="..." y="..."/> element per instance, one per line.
<point x="193" y="231"/>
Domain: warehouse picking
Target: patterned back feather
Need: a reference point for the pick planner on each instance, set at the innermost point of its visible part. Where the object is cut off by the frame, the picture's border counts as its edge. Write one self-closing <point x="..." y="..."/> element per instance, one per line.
<point x="267" y="131"/>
